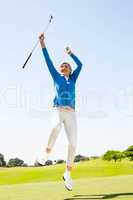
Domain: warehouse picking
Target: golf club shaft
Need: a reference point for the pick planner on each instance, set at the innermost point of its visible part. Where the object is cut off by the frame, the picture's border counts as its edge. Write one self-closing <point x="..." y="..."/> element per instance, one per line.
<point x="51" y="17"/>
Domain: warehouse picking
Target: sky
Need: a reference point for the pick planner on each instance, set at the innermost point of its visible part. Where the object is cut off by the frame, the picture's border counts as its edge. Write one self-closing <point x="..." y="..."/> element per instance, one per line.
<point x="100" y="34"/>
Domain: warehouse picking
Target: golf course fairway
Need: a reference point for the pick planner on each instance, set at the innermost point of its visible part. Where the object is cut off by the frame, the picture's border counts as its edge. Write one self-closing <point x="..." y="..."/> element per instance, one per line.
<point x="95" y="179"/>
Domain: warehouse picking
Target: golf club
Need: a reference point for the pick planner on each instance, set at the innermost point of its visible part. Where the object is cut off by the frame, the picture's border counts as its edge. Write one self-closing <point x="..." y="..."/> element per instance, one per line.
<point x="46" y="28"/>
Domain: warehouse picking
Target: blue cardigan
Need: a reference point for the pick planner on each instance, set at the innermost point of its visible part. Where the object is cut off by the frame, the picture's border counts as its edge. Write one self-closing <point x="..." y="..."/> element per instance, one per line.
<point x="65" y="89"/>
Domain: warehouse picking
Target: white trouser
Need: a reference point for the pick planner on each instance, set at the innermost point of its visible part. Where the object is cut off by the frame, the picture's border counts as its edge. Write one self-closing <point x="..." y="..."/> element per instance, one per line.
<point x="68" y="118"/>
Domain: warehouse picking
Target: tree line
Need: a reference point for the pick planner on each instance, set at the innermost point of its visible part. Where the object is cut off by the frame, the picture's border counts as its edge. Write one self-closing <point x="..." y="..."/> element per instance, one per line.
<point x="119" y="155"/>
<point x="109" y="155"/>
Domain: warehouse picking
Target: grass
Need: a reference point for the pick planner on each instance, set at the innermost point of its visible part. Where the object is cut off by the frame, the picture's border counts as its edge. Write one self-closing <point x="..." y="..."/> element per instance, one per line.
<point x="95" y="179"/>
<point x="119" y="187"/>
<point x="93" y="168"/>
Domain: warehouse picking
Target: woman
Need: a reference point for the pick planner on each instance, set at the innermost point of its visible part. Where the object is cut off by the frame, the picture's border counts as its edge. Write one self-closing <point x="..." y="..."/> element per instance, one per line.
<point x="64" y="103"/>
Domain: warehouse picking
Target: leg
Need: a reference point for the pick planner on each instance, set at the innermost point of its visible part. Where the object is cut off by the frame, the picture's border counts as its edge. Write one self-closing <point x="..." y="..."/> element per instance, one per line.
<point x="57" y="124"/>
<point x="70" y="126"/>
<point x="53" y="136"/>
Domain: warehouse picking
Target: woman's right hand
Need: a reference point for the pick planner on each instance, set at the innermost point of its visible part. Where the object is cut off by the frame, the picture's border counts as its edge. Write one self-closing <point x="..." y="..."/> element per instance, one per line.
<point x="41" y="39"/>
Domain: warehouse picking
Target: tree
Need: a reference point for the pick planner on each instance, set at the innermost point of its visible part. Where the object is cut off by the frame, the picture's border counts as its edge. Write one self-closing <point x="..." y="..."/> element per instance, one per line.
<point x="15" y="162"/>
<point x="80" y="158"/>
<point x="113" y="155"/>
<point x="94" y="157"/>
<point x="60" y="161"/>
<point x="48" y="162"/>
<point x="129" y="152"/>
<point x="2" y="161"/>
<point x="130" y="148"/>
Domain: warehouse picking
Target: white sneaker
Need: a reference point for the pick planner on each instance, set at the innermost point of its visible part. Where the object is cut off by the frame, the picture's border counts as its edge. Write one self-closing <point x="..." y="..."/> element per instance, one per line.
<point x="41" y="160"/>
<point x="68" y="181"/>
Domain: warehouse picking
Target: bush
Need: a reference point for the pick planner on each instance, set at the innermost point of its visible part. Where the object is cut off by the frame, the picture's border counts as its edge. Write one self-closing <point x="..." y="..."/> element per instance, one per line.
<point x="49" y="162"/>
<point x="130" y="148"/>
<point x="2" y="161"/>
<point x="15" y="162"/>
<point x="79" y="158"/>
<point x="60" y="161"/>
<point x="94" y="157"/>
<point x="113" y="155"/>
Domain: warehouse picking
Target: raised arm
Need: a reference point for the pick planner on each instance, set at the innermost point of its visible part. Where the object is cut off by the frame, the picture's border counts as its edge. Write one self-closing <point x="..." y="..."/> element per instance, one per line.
<point x="76" y="72"/>
<point x="48" y="60"/>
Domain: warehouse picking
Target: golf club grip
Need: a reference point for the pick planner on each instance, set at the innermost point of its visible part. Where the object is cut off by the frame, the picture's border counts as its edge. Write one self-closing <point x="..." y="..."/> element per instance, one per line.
<point x="27" y="60"/>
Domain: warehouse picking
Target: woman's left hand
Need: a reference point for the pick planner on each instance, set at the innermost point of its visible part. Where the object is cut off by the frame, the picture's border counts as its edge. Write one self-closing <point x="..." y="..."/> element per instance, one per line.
<point x="68" y="51"/>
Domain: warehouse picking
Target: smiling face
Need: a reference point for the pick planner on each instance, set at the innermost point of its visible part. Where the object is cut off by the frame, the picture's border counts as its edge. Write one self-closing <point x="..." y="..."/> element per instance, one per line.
<point x="65" y="69"/>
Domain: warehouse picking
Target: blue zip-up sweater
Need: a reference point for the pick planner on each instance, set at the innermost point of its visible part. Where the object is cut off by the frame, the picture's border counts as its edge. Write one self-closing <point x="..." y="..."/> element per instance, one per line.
<point x="65" y="89"/>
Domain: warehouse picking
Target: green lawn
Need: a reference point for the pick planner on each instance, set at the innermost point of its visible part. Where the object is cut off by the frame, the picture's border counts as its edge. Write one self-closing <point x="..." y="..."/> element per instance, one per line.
<point x="95" y="179"/>
<point x="93" y="168"/>
<point x="118" y="187"/>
